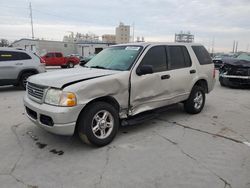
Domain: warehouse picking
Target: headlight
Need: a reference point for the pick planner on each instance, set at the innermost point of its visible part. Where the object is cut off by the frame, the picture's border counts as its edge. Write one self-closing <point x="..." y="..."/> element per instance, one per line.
<point x="60" y="98"/>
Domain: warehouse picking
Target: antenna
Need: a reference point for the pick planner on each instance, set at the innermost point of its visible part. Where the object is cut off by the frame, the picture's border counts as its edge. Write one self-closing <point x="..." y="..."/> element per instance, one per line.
<point x="31" y="21"/>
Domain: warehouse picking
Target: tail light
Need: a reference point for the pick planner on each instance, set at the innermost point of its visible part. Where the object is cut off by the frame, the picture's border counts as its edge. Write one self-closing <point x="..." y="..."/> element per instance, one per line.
<point x="42" y="60"/>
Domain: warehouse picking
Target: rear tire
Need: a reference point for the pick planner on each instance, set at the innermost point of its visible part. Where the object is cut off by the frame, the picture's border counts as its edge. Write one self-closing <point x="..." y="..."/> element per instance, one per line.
<point x="196" y="101"/>
<point x="23" y="79"/>
<point x="98" y="124"/>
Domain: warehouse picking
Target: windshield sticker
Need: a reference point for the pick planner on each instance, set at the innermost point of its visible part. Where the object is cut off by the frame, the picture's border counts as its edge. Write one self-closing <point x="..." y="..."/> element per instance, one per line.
<point x="132" y="48"/>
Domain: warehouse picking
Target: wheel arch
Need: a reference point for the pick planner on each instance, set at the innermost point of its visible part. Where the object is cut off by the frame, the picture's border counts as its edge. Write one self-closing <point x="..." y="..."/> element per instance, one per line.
<point x="26" y="71"/>
<point x="108" y="99"/>
<point x="202" y="83"/>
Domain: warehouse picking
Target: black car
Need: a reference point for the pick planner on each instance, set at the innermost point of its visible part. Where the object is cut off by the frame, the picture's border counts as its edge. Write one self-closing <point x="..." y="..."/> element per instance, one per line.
<point x="235" y="73"/>
<point x="217" y="62"/>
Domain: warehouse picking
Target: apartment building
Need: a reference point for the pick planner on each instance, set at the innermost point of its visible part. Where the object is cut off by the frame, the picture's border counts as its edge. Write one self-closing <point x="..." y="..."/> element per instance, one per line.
<point x="122" y="33"/>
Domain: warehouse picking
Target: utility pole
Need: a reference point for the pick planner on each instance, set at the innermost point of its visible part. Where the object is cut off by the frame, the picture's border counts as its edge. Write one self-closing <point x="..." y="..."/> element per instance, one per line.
<point x="233" y="46"/>
<point x="133" y="32"/>
<point x="236" y="47"/>
<point x="213" y="46"/>
<point x="31" y="21"/>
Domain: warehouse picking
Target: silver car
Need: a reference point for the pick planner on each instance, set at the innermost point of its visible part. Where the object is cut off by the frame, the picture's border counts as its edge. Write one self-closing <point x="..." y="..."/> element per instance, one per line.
<point x="17" y="65"/>
<point x="117" y="86"/>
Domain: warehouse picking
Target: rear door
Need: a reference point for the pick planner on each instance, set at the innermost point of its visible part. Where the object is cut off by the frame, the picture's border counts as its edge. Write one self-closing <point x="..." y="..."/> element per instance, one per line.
<point x="11" y="63"/>
<point x="181" y="72"/>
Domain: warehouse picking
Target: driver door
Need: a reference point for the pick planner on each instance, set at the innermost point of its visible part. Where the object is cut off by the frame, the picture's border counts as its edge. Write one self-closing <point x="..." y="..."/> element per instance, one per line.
<point x="150" y="91"/>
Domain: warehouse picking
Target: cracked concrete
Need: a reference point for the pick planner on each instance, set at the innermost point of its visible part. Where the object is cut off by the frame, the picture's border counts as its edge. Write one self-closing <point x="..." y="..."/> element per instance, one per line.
<point x="194" y="159"/>
<point x="104" y="168"/>
<point x="176" y="150"/>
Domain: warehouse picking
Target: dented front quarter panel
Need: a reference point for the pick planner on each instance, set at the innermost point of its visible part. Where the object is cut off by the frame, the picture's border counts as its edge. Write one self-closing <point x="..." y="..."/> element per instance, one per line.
<point x="115" y="85"/>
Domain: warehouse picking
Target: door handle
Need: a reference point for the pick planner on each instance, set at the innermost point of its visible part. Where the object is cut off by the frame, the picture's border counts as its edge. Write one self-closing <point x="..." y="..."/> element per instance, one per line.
<point x="19" y="64"/>
<point x="167" y="76"/>
<point x="192" y="71"/>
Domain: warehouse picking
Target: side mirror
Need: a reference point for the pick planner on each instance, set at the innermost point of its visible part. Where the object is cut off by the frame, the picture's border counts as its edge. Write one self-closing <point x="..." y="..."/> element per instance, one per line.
<point x="46" y="56"/>
<point x="144" y="69"/>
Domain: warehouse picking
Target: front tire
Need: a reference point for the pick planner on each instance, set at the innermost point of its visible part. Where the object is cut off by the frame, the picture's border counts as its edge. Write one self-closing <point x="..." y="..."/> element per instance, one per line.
<point x="23" y="79"/>
<point x="196" y="101"/>
<point x="71" y="65"/>
<point x="98" y="124"/>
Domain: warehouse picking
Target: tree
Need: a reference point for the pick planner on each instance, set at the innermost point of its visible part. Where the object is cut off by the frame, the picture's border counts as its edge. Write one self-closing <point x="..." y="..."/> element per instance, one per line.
<point x="4" y="43"/>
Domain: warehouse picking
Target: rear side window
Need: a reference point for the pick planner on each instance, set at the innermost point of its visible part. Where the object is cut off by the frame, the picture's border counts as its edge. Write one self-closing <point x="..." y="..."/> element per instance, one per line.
<point x="202" y="55"/>
<point x="156" y="57"/>
<point x="13" y="56"/>
<point x="58" y="55"/>
<point x="178" y="57"/>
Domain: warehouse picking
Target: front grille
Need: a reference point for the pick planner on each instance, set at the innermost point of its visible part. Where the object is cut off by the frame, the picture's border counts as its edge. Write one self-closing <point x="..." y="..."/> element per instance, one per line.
<point x="35" y="91"/>
<point x="239" y="71"/>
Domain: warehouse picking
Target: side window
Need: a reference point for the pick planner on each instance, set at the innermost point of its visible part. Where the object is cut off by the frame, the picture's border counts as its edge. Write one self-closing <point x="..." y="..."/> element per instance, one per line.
<point x="5" y="56"/>
<point x="48" y="55"/>
<point x="179" y="57"/>
<point x="13" y="56"/>
<point x="23" y="56"/>
<point x="187" y="58"/>
<point x="156" y="56"/>
<point x="202" y="55"/>
<point x="58" y="55"/>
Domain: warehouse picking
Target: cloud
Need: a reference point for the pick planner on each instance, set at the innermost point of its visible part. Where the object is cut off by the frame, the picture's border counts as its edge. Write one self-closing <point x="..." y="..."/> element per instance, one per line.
<point x="158" y="20"/>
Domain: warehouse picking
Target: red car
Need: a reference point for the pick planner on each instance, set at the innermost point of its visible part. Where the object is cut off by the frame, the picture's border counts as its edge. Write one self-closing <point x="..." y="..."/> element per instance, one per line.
<point x="57" y="59"/>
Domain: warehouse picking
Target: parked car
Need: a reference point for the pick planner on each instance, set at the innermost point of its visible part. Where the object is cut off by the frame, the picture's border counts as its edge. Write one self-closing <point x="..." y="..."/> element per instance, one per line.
<point x="17" y="65"/>
<point x="57" y="59"/>
<point x="235" y="73"/>
<point x="117" y="86"/>
<point x="217" y="62"/>
<point x="85" y="60"/>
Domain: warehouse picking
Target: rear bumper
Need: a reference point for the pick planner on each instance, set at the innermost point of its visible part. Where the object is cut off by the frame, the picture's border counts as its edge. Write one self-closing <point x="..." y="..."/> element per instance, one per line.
<point x="54" y="119"/>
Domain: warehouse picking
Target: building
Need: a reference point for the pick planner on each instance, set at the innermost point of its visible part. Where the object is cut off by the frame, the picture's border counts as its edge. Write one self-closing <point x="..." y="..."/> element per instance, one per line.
<point x="109" y="38"/>
<point x="80" y="37"/>
<point x="184" y="37"/>
<point x="41" y="47"/>
<point x="122" y="33"/>
<point x="88" y="48"/>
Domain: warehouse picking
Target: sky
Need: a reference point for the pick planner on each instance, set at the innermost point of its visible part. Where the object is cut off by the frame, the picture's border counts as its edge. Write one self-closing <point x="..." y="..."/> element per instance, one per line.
<point x="217" y="22"/>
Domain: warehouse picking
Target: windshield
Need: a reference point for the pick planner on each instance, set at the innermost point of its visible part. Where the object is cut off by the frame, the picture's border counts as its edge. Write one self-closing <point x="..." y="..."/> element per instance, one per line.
<point x="115" y="58"/>
<point x="244" y="56"/>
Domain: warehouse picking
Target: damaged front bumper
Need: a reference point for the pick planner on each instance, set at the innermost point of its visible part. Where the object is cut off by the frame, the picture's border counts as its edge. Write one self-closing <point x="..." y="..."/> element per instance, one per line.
<point x="234" y="80"/>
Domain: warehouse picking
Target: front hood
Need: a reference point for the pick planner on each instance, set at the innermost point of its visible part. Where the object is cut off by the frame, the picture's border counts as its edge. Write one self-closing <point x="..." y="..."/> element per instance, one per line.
<point x="63" y="78"/>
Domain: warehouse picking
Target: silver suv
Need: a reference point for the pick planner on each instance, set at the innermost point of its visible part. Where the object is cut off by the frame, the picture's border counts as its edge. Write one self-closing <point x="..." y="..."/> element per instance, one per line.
<point x="17" y="65"/>
<point x="116" y="86"/>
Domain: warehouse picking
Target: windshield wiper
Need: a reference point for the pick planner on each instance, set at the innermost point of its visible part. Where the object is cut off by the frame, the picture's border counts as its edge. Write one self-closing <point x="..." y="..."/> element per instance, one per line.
<point x="98" y="67"/>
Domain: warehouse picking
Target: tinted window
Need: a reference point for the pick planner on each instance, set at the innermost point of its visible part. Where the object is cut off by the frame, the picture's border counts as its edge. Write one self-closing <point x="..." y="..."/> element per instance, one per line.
<point x="186" y="57"/>
<point x="23" y="56"/>
<point x="13" y="56"/>
<point x="156" y="56"/>
<point x="202" y="55"/>
<point x="58" y="55"/>
<point x="179" y="57"/>
<point x="49" y="55"/>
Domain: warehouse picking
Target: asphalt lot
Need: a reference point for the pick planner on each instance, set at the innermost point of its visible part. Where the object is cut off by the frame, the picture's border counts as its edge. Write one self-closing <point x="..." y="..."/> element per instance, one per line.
<point x="175" y="150"/>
